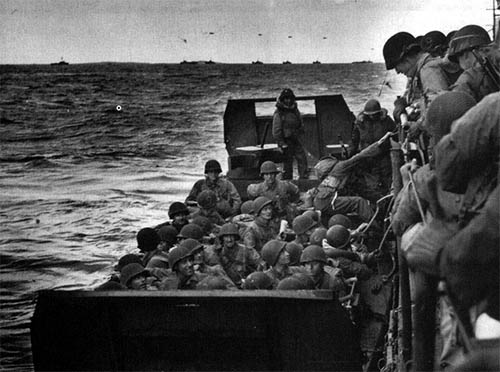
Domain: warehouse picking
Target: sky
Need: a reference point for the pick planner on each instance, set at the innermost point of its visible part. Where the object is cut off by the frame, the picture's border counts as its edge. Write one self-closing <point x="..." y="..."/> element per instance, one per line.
<point x="231" y="31"/>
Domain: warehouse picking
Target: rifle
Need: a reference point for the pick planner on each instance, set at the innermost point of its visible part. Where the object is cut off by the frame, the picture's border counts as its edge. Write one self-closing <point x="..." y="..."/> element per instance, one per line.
<point x="489" y="67"/>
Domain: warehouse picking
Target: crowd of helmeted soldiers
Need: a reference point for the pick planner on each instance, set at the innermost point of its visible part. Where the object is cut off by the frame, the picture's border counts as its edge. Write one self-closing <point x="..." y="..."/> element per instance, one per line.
<point x="427" y="177"/>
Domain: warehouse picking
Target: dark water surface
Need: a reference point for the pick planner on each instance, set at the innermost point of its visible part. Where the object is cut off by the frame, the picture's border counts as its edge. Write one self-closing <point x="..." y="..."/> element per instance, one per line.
<point x="78" y="178"/>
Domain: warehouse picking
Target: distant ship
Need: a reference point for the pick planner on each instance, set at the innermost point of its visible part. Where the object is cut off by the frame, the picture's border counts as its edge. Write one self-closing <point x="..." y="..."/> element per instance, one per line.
<point x="210" y="62"/>
<point x="257" y="63"/>
<point x="62" y="62"/>
<point x="189" y="62"/>
<point x="316" y="62"/>
<point x="287" y="62"/>
<point x="360" y="62"/>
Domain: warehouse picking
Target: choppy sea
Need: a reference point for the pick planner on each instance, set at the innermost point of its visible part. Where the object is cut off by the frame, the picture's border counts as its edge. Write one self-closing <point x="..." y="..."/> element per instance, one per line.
<point x="91" y="153"/>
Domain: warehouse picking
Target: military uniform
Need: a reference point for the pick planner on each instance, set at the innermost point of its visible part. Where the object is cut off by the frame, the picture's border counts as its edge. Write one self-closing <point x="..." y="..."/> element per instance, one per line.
<point x="258" y="233"/>
<point x="232" y="258"/>
<point x="228" y="199"/>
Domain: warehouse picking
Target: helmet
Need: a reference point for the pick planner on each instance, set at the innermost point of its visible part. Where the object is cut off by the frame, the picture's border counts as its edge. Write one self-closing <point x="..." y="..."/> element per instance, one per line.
<point x="317" y="236"/>
<point x="397" y="47"/>
<point x="287" y="92"/>
<point x="191" y="245"/>
<point x="212" y="166"/>
<point x="372" y="107"/>
<point x="324" y="166"/>
<point x="128" y="259"/>
<point x="247" y="207"/>
<point x="313" y="253"/>
<point x="434" y="42"/>
<point x="207" y="199"/>
<point x="229" y="229"/>
<point x="302" y="223"/>
<point x="258" y="280"/>
<point x="260" y="203"/>
<point x="192" y="231"/>
<point x="313" y="214"/>
<point x="212" y="282"/>
<point x="177" y="208"/>
<point x="444" y="109"/>
<point x="271" y="251"/>
<point x="131" y="271"/>
<point x="294" y="250"/>
<point x="467" y="38"/>
<point x="177" y="254"/>
<point x="338" y="236"/>
<point x="306" y="280"/>
<point x="340" y="219"/>
<point x="290" y="284"/>
<point x="268" y="167"/>
<point x="147" y="239"/>
<point x="168" y="234"/>
<point x="204" y="223"/>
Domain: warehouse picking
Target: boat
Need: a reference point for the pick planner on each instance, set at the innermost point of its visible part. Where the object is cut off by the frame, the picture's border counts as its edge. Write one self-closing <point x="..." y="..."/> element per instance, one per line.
<point x="214" y="330"/>
<point x="257" y="62"/>
<point x="62" y="62"/>
<point x="316" y="62"/>
<point x="189" y="62"/>
<point x="209" y="62"/>
<point x="249" y="141"/>
<point x="287" y="62"/>
<point x="361" y="62"/>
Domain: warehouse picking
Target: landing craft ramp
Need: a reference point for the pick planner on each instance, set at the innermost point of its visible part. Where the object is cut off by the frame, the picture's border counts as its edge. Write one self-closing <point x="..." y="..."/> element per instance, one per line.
<point x="192" y="331"/>
<point x="249" y="140"/>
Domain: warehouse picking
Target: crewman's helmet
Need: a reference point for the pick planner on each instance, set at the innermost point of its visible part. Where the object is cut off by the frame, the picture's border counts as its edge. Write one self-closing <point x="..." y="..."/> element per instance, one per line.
<point x="313" y="253"/>
<point x="302" y="223"/>
<point x="286" y="93"/>
<point x="207" y="199"/>
<point x="338" y="236"/>
<point x="434" y="42"/>
<point x="147" y="239"/>
<point x="467" y="38"/>
<point x="294" y="250"/>
<point x="372" y="107"/>
<point x="317" y="236"/>
<point x="260" y="203"/>
<point x="268" y="167"/>
<point x="177" y="254"/>
<point x="177" y="208"/>
<point x="258" y="280"/>
<point x="212" y="166"/>
<point x="192" y="231"/>
<point x="229" y="229"/>
<point x="271" y="251"/>
<point x="397" y="47"/>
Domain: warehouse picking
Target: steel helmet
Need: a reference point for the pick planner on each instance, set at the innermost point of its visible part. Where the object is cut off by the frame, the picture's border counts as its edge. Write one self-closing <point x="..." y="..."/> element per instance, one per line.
<point x="290" y="284"/>
<point x="168" y="234"/>
<point x="131" y="271"/>
<point x="191" y="245"/>
<point x="434" y="42"/>
<point x="128" y="259"/>
<point x="294" y="250"/>
<point x="338" y="236"/>
<point x="306" y="279"/>
<point x="397" y="47"/>
<point x="204" y="223"/>
<point x="317" y="236"/>
<point x="372" y="107"/>
<point x="313" y="253"/>
<point x="212" y="282"/>
<point x="257" y="280"/>
<point x="271" y="251"/>
<point x="207" y="199"/>
<point x="467" y="38"/>
<point x="147" y="239"/>
<point x="212" y="166"/>
<point x="192" y="231"/>
<point x="313" y="214"/>
<point x="302" y="223"/>
<point x="340" y="219"/>
<point x="177" y="208"/>
<point x="247" y="207"/>
<point x="268" y="167"/>
<point x="260" y="203"/>
<point x="229" y="229"/>
<point x="177" y="254"/>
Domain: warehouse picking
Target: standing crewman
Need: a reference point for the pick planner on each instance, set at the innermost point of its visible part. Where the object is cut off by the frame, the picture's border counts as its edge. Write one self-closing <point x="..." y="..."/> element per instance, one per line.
<point x="287" y="127"/>
<point x="228" y="199"/>
<point x="472" y="49"/>
<point x="284" y="194"/>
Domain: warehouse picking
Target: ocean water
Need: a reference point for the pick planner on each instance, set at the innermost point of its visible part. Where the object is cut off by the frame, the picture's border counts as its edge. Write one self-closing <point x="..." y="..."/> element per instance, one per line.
<point x="89" y="154"/>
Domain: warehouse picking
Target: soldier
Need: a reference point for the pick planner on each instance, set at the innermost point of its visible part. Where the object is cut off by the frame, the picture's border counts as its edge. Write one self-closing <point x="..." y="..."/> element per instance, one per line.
<point x="287" y="127"/>
<point x="207" y="201"/>
<point x="303" y="226"/>
<point x="246" y="217"/>
<point x="135" y="276"/>
<point x="237" y="260"/>
<point x="314" y="259"/>
<point x="228" y="199"/>
<point x="148" y="242"/>
<point x="470" y="47"/>
<point x="283" y="193"/>
<point x="278" y="261"/>
<point x="178" y="214"/>
<point x="260" y="230"/>
<point x="183" y="275"/>
<point x="257" y="280"/>
<point x="191" y="231"/>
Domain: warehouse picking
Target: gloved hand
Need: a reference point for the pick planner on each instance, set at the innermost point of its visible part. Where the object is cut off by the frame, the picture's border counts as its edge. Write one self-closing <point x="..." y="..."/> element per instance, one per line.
<point x="400" y="105"/>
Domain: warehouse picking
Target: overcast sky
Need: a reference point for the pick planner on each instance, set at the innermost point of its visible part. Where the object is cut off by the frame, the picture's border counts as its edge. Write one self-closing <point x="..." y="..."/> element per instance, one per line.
<point x="43" y="31"/>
